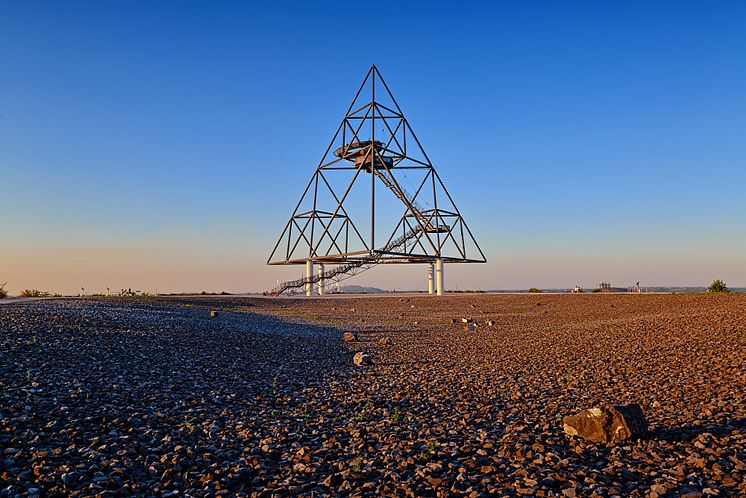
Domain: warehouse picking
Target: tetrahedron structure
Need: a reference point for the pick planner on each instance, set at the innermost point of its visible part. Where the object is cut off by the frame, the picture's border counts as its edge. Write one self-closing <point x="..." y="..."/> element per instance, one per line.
<point x="374" y="179"/>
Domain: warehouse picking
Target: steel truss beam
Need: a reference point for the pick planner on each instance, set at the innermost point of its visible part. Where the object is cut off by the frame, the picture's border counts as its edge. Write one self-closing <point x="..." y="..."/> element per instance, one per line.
<point x="375" y="137"/>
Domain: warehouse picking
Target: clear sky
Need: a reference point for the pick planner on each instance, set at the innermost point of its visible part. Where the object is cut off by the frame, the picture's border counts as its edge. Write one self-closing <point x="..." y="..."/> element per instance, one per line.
<point x="163" y="145"/>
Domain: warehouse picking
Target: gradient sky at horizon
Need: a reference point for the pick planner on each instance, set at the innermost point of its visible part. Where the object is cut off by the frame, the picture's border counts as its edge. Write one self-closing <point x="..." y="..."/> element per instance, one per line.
<point x="163" y="145"/>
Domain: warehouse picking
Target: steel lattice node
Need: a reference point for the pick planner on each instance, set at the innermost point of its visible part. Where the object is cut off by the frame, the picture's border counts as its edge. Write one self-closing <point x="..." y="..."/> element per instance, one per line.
<point x="374" y="139"/>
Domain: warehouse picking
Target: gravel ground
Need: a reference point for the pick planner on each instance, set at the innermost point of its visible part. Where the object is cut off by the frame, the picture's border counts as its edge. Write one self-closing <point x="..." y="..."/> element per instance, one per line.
<point x="153" y="397"/>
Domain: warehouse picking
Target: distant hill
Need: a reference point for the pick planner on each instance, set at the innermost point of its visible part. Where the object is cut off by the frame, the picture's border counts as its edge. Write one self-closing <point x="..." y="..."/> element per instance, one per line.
<point x="358" y="289"/>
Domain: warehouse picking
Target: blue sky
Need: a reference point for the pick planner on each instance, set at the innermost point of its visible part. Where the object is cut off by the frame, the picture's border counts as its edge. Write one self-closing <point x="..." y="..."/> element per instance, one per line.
<point x="164" y="144"/>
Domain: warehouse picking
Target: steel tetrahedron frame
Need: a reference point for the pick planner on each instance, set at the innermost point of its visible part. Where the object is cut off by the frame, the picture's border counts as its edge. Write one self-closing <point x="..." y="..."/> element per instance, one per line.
<point x="373" y="138"/>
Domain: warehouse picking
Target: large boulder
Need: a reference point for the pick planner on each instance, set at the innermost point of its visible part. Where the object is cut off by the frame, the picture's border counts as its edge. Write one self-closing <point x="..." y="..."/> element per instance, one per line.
<point x="606" y="424"/>
<point x="360" y="359"/>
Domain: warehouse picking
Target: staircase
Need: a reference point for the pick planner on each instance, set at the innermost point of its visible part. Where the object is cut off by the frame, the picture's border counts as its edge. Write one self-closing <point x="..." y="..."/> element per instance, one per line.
<point x="348" y="269"/>
<point x="371" y="260"/>
<point x="417" y="211"/>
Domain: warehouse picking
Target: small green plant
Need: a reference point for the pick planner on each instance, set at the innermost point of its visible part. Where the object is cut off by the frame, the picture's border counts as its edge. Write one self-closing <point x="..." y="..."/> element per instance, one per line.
<point x="569" y="379"/>
<point x="534" y="290"/>
<point x="275" y="384"/>
<point x="34" y="293"/>
<point x="432" y="447"/>
<point x="368" y="404"/>
<point x="718" y="286"/>
<point x="357" y="464"/>
<point x="307" y="412"/>
<point x="396" y="415"/>
<point x="312" y="316"/>
<point x="367" y="408"/>
<point x="30" y="376"/>
<point x="3" y="292"/>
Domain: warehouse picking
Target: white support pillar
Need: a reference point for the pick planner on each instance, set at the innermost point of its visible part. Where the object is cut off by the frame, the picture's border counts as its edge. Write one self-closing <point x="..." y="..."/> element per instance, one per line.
<point x="439" y="277"/>
<point x="322" y="283"/>
<point x="430" y="274"/>
<point x="309" y="275"/>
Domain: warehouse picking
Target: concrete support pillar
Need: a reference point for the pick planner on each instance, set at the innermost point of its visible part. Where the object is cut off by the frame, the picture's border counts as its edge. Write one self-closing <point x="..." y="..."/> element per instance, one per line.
<point x="430" y="274"/>
<point x="439" y="277"/>
<point x="322" y="283"/>
<point x="309" y="276"/>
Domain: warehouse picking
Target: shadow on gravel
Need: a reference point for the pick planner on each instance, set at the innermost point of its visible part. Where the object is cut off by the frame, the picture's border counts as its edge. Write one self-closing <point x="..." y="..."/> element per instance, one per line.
<point x="689" y="432"/>
<point x="151" y="385"/>
<point x="294" y="344"/>
<point x="163" y="345"/>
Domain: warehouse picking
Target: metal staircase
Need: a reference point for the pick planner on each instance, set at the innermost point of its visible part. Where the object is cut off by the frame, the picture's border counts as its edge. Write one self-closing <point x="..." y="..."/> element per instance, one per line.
<point x="417" y="211"/>
<point x="341" y="272"/>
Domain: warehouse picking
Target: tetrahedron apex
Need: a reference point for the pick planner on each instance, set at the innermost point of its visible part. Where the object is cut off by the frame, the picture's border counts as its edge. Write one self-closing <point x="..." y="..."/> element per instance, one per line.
<point x="373" y="164"/>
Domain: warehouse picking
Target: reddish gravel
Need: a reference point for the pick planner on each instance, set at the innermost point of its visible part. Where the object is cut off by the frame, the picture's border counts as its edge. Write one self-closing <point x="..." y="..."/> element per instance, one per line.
<point x="153" y="397"/>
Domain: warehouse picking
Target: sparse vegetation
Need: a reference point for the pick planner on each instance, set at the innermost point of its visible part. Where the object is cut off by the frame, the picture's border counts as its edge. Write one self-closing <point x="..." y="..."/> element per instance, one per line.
<point x="3" y="292"/>
<point x="396" y="415"/>
<point x="534" y="290"/>
<point x="367" y="409"/>
<point x="34" y="293"/>
<point x="357" y="464"/>
<point x="718" y="286"/>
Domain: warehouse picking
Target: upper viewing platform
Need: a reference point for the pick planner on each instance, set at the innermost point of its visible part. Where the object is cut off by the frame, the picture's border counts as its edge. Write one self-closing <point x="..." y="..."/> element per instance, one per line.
<point x="366" y="154"/>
